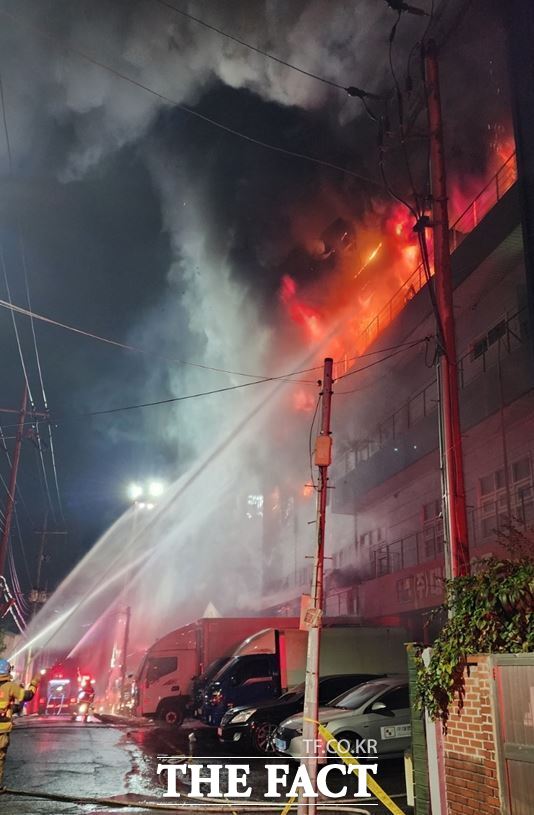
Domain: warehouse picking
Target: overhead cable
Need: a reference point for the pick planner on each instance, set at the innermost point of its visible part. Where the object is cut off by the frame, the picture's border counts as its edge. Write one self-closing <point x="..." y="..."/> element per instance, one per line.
<point x="24" y="369"/>
<point x="185" y="108"/>
<point x="350" y="90"/>
<point x="137" y="349"/>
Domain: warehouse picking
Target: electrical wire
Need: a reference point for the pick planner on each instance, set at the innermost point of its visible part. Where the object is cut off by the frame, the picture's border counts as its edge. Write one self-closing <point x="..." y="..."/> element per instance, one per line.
<point x="65" y="417"/>
<point x="349" y="90"/>
<point x="19" y="346"/>
<point x="377" y="362"/>
<point x="177" y="398"/>
<point x="125" y="346"/>
<point x="38" y="358"/>
<point x="139" y="350"/>
<point x="14" y="322"/>
<point x="185" y="108"/>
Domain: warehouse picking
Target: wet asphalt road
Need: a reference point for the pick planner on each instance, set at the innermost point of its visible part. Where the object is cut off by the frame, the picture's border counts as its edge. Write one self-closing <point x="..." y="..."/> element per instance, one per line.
<point x="118" y="761"/>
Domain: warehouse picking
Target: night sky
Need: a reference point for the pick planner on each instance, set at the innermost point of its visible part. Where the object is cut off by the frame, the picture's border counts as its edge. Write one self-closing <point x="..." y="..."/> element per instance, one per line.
<point x="145" y="225"/>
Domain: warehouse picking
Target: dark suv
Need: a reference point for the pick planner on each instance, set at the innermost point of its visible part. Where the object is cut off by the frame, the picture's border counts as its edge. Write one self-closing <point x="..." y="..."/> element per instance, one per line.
<point x="253" y="727"/>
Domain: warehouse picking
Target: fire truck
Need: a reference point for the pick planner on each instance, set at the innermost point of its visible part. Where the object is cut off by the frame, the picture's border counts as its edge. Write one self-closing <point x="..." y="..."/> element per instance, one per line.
<point x="58" y="692"/>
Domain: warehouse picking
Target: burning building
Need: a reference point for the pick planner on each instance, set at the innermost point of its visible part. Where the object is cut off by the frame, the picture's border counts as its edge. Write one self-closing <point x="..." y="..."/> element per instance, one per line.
<point x="385" y="534"/>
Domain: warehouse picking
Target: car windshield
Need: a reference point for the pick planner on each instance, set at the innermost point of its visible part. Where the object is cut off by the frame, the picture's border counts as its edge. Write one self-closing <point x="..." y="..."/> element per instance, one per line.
<point x="353" y="699"/>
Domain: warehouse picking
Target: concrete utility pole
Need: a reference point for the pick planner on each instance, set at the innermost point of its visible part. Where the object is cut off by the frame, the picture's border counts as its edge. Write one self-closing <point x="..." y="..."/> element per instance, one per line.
<point x="454" y="498"/>
<point x="323" y="458"/>
<point x="10" y="501"/>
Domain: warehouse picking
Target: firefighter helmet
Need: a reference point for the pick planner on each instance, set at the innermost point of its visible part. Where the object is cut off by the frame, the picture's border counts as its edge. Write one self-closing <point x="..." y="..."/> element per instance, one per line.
<point x="5" y="667"/>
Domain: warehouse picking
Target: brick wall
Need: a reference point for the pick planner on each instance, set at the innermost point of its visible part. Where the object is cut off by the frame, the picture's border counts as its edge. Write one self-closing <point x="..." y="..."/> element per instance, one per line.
<point x="470" y="761"/>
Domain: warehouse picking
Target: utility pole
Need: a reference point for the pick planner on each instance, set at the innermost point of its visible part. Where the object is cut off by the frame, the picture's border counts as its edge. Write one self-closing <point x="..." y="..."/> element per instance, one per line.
<point x="44" y="532"/>
<point x="454" y="497"/>
<point x="10" y="501"/>
<point x="124" y="653"/>
<point x="323" y="458"/>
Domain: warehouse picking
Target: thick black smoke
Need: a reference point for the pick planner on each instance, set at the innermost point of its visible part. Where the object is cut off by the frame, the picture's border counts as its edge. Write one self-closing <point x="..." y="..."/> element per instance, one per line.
<point x="151" y="226"/>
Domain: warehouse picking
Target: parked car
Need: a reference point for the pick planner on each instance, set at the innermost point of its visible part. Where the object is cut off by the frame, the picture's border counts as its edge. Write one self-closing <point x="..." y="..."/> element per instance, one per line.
<point x="254" y="726"/>
<point x="378" y="710"/>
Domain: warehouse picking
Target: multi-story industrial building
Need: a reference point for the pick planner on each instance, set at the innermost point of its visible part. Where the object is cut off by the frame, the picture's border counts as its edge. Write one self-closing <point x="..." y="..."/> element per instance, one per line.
<point x="385" y="525"/>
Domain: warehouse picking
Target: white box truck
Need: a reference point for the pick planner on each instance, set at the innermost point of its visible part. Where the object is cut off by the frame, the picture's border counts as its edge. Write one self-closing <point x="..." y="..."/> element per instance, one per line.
<point x="172" y="675"/>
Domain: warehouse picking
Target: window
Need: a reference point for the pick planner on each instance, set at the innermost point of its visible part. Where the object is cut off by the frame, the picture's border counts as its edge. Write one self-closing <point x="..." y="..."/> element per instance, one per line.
<point x="409" y="551"/>
<point x="250" y="669"/>
<point x="160" y="666"/>
<point x="432" y="510"/>
<point x="432" y="530"/>
<point x="495" y="333"/>
<point x="416" y="409"/>
<point x="494" y="501"/>
<point x="479" y="348"/>
<point x="397" y="699"/>
<point x="481" y="345"/>
<point x="374" y="536"/>
<point x="521" y="470"/>
<point x="381" y="561"/>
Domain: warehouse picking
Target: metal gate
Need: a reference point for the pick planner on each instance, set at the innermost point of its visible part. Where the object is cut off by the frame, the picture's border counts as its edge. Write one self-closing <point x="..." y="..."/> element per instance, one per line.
<point x="513" y="690"/>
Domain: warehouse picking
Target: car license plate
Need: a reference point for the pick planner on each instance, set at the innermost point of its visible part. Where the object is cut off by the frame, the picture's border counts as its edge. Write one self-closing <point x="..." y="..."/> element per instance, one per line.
<point x="280" y="744"/>
<point x="219" y="731"/>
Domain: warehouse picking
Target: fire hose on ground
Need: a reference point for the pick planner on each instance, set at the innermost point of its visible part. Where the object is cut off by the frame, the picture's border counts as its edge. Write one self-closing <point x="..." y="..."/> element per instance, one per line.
<point x="218" y="806"/>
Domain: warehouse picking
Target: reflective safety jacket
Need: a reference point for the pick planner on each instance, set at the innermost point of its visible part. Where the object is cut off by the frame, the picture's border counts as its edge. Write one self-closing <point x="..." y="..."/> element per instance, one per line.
<point x="11" y="694"/>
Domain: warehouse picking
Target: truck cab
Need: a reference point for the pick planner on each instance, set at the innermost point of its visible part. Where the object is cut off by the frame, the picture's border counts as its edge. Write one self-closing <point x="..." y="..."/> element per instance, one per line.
<point x="244" y="680"/>
<point x="163" y="683"/>
<point x="263" y="667"/>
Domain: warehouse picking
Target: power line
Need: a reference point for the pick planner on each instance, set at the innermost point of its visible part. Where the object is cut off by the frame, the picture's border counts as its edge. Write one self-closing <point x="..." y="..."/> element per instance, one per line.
<point x="180" y="398"/>
<point x="34" y="315"/>
<point x="350" y="90"/>
<point x="173" y="399"/>
<point x="396" y="350"/>
<point x="39" y="369"/>
<point x="137" y="349"/>
<point x="377" y="362"/>
<point x="186" y="109"/>
<point x="23" y="258"/>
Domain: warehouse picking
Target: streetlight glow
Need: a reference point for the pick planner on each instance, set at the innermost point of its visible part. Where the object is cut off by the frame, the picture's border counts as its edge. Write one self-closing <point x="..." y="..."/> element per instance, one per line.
<point x="155" y="488"/>
<point x="135" y="491"/>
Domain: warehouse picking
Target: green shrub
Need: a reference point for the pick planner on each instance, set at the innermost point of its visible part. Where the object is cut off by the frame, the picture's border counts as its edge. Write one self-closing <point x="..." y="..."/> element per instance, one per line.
<point x="488" y="612"/>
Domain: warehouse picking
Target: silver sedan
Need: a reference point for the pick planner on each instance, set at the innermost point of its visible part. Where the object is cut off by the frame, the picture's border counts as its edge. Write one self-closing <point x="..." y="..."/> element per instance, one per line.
<point x="371" y="720"/>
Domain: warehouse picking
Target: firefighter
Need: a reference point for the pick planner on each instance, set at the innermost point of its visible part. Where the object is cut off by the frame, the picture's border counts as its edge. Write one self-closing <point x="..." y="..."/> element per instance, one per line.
<point x="11" y="694"/>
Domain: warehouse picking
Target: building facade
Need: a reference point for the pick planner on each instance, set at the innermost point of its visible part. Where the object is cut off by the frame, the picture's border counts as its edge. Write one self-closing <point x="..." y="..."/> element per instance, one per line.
<point x="385" y="526"/>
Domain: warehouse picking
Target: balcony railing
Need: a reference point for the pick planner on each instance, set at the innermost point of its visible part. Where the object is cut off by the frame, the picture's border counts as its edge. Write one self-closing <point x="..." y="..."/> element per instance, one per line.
<point x="495" y="346"/>
<point x="499" y="184"/>
<point x="504" y="178"/>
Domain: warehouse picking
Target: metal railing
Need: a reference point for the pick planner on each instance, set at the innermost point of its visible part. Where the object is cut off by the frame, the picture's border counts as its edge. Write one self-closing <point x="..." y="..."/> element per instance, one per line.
<point x="512" y="334"/>
<point x="499" y="184"/>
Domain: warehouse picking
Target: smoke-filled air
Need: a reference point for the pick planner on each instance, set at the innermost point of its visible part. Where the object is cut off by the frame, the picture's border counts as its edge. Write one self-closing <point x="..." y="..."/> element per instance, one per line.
<point x="267" y="269"/>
